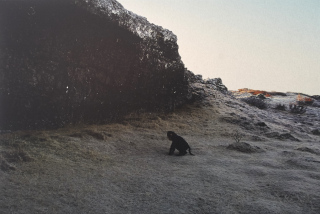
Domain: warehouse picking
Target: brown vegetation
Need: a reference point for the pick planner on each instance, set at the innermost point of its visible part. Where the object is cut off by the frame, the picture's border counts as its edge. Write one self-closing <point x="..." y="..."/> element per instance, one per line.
<point x="304" y="100"/>
<point x="254" y="92"/>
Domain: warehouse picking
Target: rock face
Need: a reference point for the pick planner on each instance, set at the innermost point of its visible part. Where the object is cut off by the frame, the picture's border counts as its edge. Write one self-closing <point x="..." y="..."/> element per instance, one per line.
<point x="198" y="86"/>
<point x="83" y="61"/>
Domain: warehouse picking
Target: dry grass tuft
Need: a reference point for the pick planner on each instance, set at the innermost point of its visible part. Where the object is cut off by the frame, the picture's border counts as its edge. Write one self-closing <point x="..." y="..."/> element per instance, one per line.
<point x="297" y="109"/>
<point x="280" y="107"/>
<point x="237" y="136"/>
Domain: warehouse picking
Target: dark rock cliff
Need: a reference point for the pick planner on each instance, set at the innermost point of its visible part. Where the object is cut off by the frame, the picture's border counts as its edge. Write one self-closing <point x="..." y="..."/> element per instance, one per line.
<point x="83" y="61"/>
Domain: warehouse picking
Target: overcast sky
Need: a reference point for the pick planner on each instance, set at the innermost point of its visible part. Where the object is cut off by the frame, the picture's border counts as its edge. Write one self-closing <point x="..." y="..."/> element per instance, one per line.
<point x="257" y="44"/>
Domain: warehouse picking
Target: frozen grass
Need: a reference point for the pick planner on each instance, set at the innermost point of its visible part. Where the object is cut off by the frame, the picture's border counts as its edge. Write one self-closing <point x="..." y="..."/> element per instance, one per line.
<point x="124" y="167"/>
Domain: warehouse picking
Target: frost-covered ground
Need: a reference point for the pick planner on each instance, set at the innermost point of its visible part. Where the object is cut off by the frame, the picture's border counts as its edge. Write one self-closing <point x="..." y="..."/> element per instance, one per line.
<point x="124" y="167"/>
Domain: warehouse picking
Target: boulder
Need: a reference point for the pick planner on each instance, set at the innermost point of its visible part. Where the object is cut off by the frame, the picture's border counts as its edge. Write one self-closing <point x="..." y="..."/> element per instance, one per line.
<point x="217" y="84"/>
<point x="316" y="104"/>
<point x="261" y="96"/>
<point x="316" y="97"/>
<point x="70" y="61"/>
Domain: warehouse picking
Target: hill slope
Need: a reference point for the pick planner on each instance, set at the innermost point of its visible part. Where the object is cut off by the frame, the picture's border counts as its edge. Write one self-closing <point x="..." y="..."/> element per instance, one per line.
<point x="124" y="167"/>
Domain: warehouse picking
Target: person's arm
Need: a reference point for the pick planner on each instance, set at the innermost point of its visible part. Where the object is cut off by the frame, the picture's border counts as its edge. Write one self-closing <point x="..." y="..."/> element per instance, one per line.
<point x="172" y="148"/>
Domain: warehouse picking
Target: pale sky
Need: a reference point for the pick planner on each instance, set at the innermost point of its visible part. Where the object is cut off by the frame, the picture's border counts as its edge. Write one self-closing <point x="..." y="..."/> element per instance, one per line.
<point x="257" y="44"/>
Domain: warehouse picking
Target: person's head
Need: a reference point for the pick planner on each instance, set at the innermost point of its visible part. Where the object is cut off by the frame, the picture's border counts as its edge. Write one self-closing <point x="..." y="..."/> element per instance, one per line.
<point x="170" y="135"/>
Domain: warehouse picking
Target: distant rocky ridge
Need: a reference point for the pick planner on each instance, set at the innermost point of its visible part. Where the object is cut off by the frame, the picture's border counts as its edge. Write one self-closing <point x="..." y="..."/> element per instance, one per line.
<point x="70" y="61"/>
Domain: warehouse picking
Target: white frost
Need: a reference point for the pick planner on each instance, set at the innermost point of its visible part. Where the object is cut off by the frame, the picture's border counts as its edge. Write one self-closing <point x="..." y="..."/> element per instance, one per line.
<point x="137" y="24"/>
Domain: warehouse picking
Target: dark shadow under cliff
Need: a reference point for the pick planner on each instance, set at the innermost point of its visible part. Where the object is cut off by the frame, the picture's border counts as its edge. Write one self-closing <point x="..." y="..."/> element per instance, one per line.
<point x="61" y="63"/>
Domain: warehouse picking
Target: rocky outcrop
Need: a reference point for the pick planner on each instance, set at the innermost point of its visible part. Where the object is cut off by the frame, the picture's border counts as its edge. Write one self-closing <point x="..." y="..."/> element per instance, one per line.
<point x="216" y="84"/>
<point x="316" y="97"/>
<point x="200" y="89"/>
<point x="83" y="61"/>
